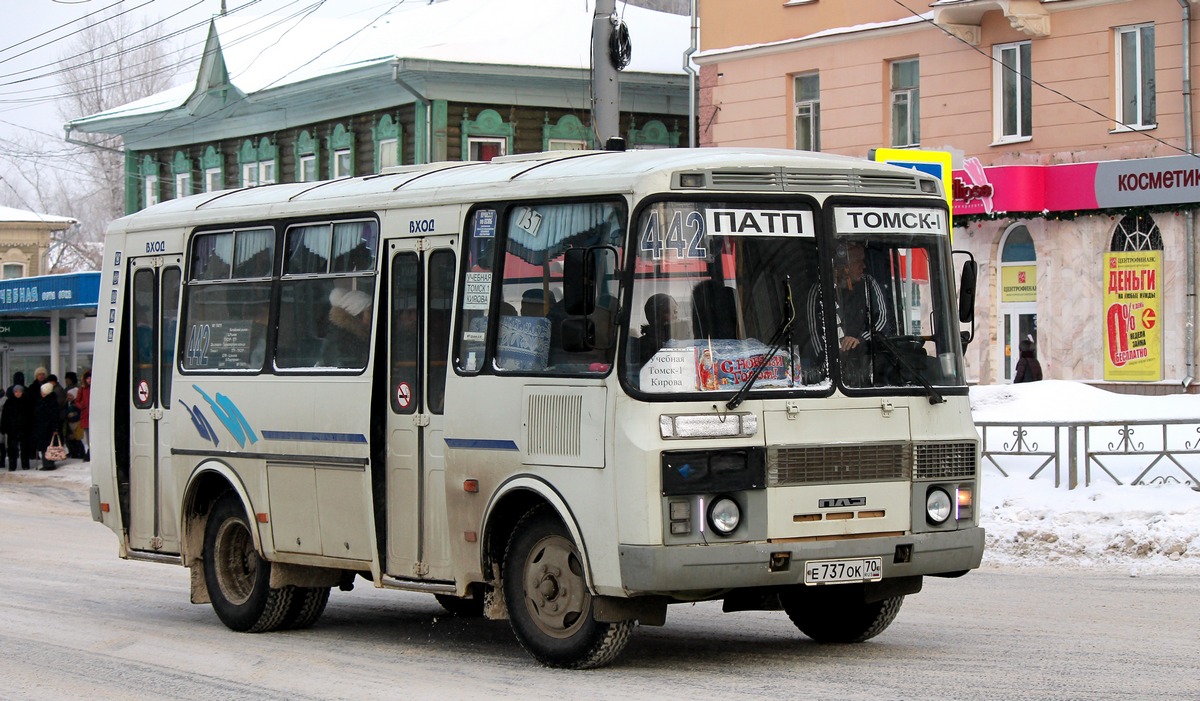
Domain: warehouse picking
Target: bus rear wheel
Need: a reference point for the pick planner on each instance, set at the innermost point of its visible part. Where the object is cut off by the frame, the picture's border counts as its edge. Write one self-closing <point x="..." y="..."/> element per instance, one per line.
<point x="838" y="613"/>
<point x="549" y="605"/>
<point x="238" y="579"/>
<point x="308" y="603"/>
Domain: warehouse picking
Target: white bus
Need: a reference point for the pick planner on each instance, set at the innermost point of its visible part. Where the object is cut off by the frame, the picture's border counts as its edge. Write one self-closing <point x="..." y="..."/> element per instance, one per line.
<point x="442" y="379"/>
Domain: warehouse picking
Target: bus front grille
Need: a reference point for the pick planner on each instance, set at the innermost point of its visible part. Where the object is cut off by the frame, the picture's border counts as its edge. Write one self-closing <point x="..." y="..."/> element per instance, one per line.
<point x="945" y="460"/>
<point x="839" y="463"/>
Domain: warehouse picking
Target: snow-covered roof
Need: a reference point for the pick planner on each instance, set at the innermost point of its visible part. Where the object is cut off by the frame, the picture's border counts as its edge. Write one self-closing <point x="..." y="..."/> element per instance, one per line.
<point x="272" y="51"/>
<point x="10" y="215"/>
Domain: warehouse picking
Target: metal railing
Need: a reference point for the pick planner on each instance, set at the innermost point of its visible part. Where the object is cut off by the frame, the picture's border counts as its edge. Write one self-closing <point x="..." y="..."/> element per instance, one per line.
<point x="1125" y="451"/>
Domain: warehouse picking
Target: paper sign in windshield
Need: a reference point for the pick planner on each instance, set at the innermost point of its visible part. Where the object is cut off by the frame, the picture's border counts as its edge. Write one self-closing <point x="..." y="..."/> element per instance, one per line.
<point x="758" y="222"/>
<point x="882" y="220"/>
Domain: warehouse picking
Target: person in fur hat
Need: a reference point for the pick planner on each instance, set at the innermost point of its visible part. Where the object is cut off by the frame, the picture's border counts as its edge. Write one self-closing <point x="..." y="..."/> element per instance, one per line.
<point x="348" y="340"/>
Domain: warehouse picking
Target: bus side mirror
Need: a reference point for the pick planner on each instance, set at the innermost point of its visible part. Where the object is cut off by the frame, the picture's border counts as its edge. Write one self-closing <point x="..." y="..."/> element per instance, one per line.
<point x="579" y="282"/>
<point x="966" y="292"/>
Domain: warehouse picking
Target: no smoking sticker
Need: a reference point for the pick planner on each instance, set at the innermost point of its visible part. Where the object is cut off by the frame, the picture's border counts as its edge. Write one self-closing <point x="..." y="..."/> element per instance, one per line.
<point x="403" y="395"/>
<point x="143" y="392"/>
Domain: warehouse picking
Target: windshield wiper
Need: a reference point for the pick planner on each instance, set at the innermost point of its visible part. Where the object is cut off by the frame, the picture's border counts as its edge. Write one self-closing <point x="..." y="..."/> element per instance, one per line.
<point x="934" y="396"/>
<point x="789" y="315"/>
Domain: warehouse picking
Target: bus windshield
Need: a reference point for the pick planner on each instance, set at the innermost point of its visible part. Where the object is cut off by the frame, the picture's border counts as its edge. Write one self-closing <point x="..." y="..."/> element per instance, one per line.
<point x="721" y="288"/>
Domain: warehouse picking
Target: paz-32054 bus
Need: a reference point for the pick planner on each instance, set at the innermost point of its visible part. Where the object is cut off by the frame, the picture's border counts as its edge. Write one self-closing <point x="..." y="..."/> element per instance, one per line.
<point x="563" y="389"/>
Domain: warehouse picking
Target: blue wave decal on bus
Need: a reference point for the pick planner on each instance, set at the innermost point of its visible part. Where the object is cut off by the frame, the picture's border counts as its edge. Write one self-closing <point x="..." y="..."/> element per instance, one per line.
<point x="230" y="416"/>
<point x="203" y="427"/>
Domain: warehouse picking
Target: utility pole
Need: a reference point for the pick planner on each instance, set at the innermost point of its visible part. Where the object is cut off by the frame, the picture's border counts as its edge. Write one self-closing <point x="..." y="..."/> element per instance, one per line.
<point x="605" y="90"/>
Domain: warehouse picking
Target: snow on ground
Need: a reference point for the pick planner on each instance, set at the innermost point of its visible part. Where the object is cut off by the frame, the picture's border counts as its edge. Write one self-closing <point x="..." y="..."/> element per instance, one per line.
<point x="1141" y="529"/>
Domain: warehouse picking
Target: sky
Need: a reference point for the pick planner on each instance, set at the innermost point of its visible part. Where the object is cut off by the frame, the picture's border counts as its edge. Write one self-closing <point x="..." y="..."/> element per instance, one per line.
<point x="1134" y="530"/>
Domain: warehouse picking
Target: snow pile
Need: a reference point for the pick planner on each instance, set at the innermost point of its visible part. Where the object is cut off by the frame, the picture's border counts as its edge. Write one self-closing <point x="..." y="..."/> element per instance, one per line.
<point x="1144" y="529"/>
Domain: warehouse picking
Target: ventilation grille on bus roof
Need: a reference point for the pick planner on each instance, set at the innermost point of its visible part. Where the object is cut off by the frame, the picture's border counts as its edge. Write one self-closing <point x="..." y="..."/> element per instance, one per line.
<point x="806" y="180"/>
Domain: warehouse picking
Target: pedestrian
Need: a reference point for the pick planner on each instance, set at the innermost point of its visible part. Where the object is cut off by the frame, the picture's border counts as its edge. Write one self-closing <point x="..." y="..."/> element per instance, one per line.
<point x="84" y="400"/>
<point x="47" y="421"/>
<point x="72" y="432"/>
<point x="14" y="424"/>
<point x="1028" y="367"/>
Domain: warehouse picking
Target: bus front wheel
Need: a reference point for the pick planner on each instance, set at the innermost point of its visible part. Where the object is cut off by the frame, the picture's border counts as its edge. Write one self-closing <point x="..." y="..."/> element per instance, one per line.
<point x="238" y="578"/>
<point x="838" y="613"/>
<point x="549" y="605"/>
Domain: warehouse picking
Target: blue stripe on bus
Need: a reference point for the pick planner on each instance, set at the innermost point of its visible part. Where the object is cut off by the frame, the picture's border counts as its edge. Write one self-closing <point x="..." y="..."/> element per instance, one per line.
<point x="315" y="436"/>
<point x="480" y="444"/>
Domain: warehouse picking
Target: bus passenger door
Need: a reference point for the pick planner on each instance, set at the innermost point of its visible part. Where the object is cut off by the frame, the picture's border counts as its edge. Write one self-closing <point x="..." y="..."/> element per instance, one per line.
<point x="422" y="285"/>
<point x="154" y="313"/>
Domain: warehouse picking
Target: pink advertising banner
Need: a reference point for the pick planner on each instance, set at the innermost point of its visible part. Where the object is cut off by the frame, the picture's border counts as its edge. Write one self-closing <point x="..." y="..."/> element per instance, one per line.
<point x="1075" y="186"/>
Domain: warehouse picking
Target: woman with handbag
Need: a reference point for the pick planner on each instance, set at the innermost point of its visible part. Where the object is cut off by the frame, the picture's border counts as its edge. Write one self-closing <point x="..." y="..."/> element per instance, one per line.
<point x="47" y="420"/>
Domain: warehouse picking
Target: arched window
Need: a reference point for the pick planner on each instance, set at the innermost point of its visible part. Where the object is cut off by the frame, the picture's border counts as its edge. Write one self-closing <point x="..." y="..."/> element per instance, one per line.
<point x="1136" y="232"/>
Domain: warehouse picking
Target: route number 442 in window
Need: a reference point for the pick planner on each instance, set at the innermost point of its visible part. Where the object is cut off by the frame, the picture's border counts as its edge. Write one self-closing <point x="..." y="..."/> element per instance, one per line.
<point x="683" y="235"/>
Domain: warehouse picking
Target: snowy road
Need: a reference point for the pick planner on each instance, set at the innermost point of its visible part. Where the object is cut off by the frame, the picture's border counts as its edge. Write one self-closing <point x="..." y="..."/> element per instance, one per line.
<point x="76" y="622"/>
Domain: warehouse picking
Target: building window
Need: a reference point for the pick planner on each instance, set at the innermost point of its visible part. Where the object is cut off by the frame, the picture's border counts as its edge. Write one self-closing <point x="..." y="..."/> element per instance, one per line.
<point x="151" y="190"/>
<point x="906" y="103"/>
<point x="388" y="153"/>
<point x="308" y="168"/>
<point x="1013" y="90"/>
<point x="1136" y="233"/>
<point x="653" y="135"/>
<point x="485" y="149"/>
<point x="386" y="133"/>
<point x="306" y="158"/>
<point x="808" y="112"/>
<point x="341" y="163"/>
<point x="1135" y="82"/>
<point x="486" y="137"/>
<point x="568" y="134"/>
<point x="341" y="151"/>
<point x="12" y="271"/>
<point x="181" y="167"/>
<point x="213" y="164"/>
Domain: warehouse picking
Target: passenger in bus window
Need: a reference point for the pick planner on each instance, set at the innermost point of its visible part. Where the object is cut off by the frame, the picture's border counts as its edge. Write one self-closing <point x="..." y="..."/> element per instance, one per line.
<point x="860" y="310"/>
<point x="662" y="315"/>
<point x="346" y="344"/>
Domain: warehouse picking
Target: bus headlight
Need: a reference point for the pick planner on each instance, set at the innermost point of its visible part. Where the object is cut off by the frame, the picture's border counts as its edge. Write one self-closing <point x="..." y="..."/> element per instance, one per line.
<point x="938" y="505"/>
<point x="724" y="515"/>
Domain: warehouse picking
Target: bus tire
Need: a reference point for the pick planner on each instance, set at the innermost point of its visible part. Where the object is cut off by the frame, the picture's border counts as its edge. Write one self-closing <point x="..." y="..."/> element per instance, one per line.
<point x="462" y="608"/>
<point x="308" y="603"/>
<point x="549" y="605"/>
<point x="238" y="578"/>
<point x="838" y="613"/>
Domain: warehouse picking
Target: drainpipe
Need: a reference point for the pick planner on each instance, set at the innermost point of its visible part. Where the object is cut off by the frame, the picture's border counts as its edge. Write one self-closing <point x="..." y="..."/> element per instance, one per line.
<point x="426" y="103"/>
<point x="687" y="67"/>
<point x="1190" y="218"/>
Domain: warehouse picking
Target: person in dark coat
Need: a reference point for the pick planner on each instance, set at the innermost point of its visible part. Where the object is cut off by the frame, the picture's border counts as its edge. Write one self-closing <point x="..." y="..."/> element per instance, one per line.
<point x="15" y="424"/>
<point x="1028" y="367"/>
<point x="47" y="420"/>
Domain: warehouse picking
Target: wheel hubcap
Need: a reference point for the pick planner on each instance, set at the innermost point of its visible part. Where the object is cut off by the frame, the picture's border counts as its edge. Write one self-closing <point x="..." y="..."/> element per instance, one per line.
<point x="236" y="561"/>
<point x="556" y="597"/>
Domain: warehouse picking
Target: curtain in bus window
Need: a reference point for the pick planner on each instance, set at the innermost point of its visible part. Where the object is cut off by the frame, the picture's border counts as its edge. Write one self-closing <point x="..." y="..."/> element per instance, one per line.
<point x="541" y="233"/>
<point x="354" y="245"/>
<point x="253" y="253"/>
<point x="212" y="256"/>
<point x="308" y="249"/>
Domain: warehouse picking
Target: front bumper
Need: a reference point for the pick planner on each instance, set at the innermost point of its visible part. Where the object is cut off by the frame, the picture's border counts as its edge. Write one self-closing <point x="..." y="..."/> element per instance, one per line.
<point x="664" y="570"/>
